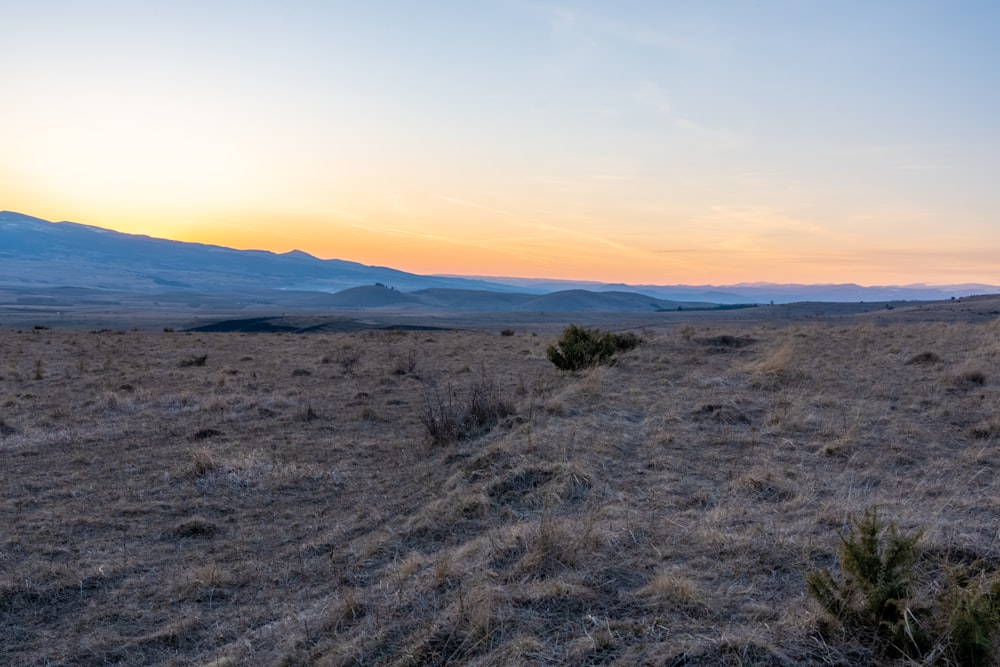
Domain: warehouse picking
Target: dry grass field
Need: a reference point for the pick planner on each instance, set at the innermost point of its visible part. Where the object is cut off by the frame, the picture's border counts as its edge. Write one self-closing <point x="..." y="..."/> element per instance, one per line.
<point x="275" y="499"/>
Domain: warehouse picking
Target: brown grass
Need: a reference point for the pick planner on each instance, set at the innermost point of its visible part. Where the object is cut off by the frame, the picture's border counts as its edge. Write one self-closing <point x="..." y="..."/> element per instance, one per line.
<point x="283" y="502"/>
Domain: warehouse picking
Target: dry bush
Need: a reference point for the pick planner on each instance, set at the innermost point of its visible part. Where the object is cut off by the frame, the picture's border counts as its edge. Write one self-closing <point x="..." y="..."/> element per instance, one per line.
<point x="452" y="415"/>
<point x="626" y="341"/>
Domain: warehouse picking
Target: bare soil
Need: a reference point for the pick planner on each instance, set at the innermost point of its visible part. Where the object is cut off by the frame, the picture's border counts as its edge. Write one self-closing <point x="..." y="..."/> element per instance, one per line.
<point x="246" y="499"/>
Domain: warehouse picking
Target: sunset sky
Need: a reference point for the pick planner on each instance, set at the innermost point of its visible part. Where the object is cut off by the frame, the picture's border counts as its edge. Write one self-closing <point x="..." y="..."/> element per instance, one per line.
<point x="641" y="142"/>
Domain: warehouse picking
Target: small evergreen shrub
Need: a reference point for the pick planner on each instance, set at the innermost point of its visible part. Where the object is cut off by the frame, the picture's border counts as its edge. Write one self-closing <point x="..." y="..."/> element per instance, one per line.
<point x="877" y="600"/>
<point x="874" y="599"/>
<point x="580" y="348"/>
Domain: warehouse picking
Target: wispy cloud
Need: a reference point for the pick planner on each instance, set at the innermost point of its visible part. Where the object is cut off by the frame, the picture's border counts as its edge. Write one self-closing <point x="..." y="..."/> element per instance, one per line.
<point x="551" y="235"/>
<point x="340" y="213"/>
<point x="683" y="34"/>
<point x="653" y="97"/>
<point x="710" y="138"/>
<point x="905" y="157"/>
<point x="396" y="231"/>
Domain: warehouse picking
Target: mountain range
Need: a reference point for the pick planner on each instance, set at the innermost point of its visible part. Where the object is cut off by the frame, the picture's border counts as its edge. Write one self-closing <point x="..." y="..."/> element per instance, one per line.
<point x="38" y="254"/>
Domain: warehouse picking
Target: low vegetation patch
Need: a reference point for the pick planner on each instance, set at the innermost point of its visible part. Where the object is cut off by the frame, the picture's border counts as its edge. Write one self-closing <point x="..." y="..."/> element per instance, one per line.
<point x="924" y="358"/>
<point x="197" y="360"/>
<point x="451" y="414"/>
<point x="886" y="598"/>
<point x="725" y="342"/>
<point x="580" y="347"/>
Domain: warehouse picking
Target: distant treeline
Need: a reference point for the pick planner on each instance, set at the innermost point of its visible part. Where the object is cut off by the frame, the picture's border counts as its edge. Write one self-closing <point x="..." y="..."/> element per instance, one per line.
<point x="721" y="306"/>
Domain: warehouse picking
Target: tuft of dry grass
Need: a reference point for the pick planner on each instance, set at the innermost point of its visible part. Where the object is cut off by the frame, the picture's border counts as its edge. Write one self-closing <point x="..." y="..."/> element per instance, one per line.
<point x="782" y="366"/>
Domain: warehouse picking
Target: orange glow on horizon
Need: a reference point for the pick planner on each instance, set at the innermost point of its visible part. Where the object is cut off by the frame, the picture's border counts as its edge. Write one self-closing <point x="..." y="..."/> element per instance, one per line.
<point x="553" y="253"/>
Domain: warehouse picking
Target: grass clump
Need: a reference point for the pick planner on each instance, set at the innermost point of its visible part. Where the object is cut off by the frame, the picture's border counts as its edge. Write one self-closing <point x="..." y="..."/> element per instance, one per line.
<point x="924" y="358"/>
<point x="877" y="600"/>
<point x="580" y="347"/>
<point x="626" y="341"/>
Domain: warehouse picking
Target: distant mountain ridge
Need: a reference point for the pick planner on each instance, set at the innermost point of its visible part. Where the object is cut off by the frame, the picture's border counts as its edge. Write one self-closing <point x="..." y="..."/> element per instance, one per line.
<point x="762" y="293"/>
<point x="36" y="253"/>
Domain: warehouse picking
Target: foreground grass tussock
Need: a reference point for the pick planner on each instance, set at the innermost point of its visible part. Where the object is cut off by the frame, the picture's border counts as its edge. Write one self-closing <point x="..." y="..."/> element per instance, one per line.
<point x="286" y="501"/>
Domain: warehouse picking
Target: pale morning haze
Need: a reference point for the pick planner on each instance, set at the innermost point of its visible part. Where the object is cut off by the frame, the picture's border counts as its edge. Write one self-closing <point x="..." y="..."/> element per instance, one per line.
<point x="640" y="142"/>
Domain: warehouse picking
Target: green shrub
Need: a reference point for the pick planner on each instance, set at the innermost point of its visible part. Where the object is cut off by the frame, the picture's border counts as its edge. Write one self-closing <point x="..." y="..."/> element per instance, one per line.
<point x="876" y="600"/>
<point x="971" y="605"/>
<point x="581" y="348"/>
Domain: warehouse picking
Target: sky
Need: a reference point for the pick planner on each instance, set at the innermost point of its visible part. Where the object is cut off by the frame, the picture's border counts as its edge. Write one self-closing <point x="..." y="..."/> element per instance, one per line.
<point x="694" y="142"/>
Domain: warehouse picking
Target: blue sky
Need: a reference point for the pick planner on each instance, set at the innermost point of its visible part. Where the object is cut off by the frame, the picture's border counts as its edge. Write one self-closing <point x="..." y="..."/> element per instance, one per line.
<point x="644" y="142"/>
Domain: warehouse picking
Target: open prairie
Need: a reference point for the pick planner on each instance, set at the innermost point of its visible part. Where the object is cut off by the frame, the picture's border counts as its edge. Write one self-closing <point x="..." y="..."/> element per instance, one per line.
<point x="247" y="499"/>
